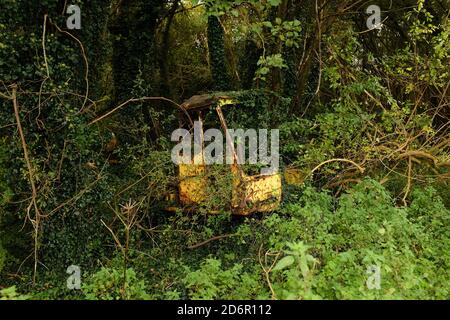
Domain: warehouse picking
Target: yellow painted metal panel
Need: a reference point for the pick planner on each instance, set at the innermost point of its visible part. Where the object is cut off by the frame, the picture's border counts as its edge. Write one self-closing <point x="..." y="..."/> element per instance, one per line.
<point x="256" y="193"/>
<point x="294" y="176"/>
<point x="192" y="185"/>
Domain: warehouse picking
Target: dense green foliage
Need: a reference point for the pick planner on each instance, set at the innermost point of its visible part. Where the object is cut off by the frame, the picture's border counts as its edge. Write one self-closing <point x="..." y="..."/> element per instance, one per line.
<point x="364" y="114"/>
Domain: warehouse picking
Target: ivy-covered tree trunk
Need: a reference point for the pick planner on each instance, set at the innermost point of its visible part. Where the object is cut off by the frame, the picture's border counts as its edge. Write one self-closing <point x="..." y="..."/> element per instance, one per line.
<point x="248" y="64"/>
<point x="133" y="30"/>
<point x="134" y="59"/>
<point x="217" y="57"/>
<point x="165" y="89"/>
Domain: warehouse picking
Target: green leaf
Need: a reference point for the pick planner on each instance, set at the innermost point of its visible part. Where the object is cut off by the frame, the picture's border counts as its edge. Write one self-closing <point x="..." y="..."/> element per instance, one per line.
<point x="274" y="3"/>
<point x="284" y="263"/>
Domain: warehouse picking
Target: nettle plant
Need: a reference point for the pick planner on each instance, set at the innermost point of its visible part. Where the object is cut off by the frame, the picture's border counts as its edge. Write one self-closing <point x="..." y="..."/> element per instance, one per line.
<point x="297" y="269"/>
<point x="107" y="284"/>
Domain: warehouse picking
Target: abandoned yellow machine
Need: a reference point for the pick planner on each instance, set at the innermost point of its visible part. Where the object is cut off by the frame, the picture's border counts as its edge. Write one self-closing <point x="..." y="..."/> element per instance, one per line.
<point x="249" y="193"/>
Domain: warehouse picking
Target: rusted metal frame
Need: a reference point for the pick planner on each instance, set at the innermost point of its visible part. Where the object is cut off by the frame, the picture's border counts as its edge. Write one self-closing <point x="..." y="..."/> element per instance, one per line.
<point x="230" y="142"/>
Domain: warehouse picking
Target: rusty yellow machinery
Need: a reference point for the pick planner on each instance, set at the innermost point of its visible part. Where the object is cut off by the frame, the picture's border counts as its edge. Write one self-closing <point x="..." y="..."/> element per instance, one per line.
<point x="249" y="193"/>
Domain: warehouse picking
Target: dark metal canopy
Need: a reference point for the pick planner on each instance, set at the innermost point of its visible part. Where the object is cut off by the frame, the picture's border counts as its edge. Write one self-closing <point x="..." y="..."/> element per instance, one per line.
<point x="203" y="101"/>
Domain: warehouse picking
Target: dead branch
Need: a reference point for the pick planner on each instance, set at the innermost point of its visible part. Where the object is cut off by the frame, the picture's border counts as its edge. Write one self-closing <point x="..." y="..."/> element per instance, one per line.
<point x="361" y="169"/>
<point x="408" y="185"/>
<point x="33" y="203"/>
<point x="86" y="75"/>
<point x="139" y="100"/>
<point x="418" y="154"/>
<point x="195" y="246"/>
<point x="268" y="270"/>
